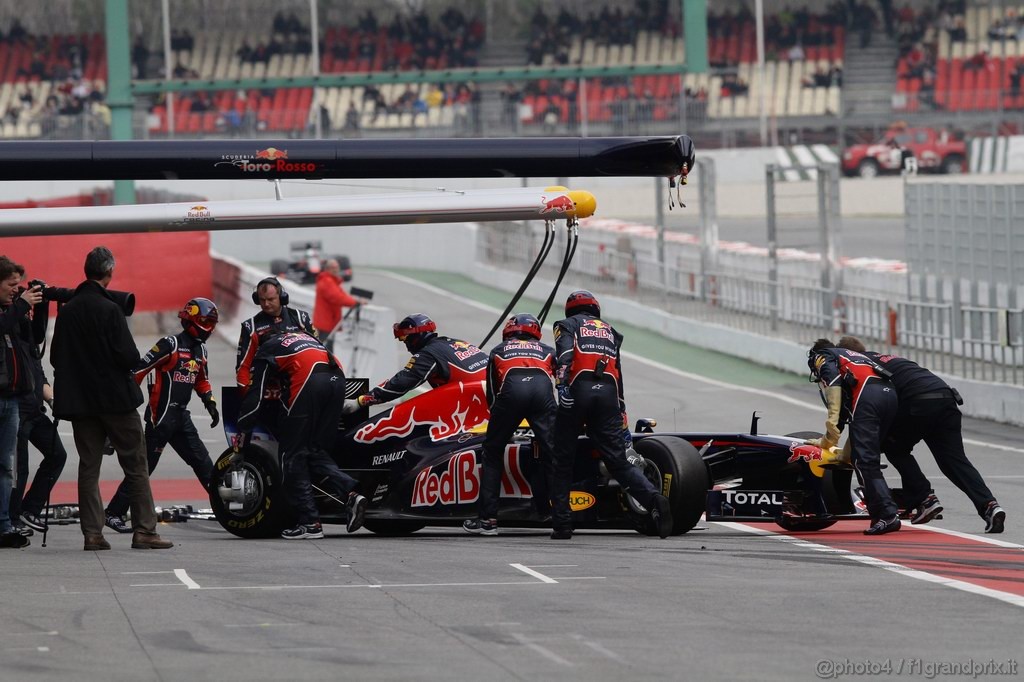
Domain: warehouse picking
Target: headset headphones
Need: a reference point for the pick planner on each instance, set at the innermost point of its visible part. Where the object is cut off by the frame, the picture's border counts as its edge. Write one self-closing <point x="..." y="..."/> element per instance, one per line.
<point x="281" y="293"/>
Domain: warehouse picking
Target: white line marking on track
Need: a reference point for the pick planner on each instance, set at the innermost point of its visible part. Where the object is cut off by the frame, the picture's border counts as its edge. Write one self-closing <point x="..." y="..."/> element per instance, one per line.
<point x="144" y="572"/>
<point x="580" y="577"/>
<point x="262" y="625"/>
<point x="673" y="370"/>
<point x="555" y="566"/>
<point x="154" y="585"/>
<point x="972" y="536"/>
<point x="543" y="651"/>
<point x="336" y="586"/>
<point x="1014" y="599"/>
<point x="600" y="648"/>
<point x="183" y="577"/>
<point x="536" y="574"/>
<point x="42" y="649"/>
<point x="48" y="633"/>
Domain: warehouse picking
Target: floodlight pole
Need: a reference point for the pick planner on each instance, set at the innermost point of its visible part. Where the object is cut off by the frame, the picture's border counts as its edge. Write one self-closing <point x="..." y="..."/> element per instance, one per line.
<point x="119" y="82"/>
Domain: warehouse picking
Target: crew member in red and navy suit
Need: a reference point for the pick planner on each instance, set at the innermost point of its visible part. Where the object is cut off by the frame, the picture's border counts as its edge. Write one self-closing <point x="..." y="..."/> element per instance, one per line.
<point x="588" y="379"/>
<point x="520" y="385"/>
<point x="435" y="359"/>
<point x="179" y="366"/>
<point x="856" y="390"/>
<point x="274" y="314"/>
<point x="312" y="392"/>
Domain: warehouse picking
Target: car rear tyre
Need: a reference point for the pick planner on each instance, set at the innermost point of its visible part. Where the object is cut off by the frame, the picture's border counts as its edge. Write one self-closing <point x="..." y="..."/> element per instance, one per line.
<point x="264" y="511"/>
<point x="392" y="528"/>
<point x="953" y="165"/>
<point x="868" y="168"/>
<point x="677" y="471"/>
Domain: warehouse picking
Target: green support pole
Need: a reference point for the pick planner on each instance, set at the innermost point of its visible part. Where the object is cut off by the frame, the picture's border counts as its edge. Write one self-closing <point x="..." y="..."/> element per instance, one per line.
<point x="119" y="83"/>
<point x="695" y="34"/>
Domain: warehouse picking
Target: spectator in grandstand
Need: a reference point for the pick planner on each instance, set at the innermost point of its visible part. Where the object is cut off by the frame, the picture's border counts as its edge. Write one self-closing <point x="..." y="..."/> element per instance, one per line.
<point x="244" y="53"/>
<point x="13" y="114"/>
<point x="140" y="57"/>
<point x="510" y="99"/>
<point x="733" y="85"/>
<point x="796" y="53"/>
<point x="979" y="61"/>
<point x="819" y="79"/>
<point x="864" y="20"/>
<point x="1015" y="76"/>
<point x="958" y="32"/>
<point x="351" y="120"/>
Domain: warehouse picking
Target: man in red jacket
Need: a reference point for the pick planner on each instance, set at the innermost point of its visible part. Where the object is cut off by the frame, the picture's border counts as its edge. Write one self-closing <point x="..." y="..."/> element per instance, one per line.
<point x="330" y="299"/>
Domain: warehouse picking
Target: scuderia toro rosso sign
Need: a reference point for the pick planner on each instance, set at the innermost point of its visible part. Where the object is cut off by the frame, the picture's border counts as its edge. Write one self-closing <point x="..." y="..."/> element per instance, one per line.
<point x="266" y="160"/>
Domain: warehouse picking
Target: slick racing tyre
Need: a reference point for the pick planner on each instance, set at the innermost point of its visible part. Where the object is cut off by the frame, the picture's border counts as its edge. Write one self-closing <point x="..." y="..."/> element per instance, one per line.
<point x="677" y="471"/>
<point x="392" y="529"/>
<point x="258" y="508"/>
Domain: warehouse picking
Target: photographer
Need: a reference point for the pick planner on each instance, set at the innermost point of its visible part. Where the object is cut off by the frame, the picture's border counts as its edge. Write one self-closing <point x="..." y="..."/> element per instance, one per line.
<point x="15" y="381"/>
<point x="93" y="355"/>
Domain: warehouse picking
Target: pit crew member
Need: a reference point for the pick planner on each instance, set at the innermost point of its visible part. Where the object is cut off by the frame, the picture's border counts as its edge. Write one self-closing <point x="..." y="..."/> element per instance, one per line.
<point x="588" y="379"/>
<point x="312" y="392"/>
<point x="520" y="385"/>
<point x="274" y="313"/>
<point x="179" y="366"/>
<point x="856" y="390"/>
<point x="929" y="411"/>
<point x="435" y="359"/>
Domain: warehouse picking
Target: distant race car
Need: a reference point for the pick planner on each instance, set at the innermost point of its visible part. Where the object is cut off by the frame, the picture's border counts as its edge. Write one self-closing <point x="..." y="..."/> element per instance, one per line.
<point x="418" y="464"/>
<point x="306" y="262"/>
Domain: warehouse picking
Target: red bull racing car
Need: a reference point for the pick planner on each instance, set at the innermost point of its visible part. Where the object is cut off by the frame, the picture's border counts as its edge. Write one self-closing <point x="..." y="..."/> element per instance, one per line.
<point x="418" y="464"/>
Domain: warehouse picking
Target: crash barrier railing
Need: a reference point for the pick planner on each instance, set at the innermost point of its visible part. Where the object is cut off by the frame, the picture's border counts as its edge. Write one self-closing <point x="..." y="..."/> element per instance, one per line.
<point x="984" y="343"/>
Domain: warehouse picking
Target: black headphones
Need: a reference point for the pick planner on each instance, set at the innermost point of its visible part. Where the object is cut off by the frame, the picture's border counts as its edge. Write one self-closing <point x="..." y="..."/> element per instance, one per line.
<point x="281" y="293"/>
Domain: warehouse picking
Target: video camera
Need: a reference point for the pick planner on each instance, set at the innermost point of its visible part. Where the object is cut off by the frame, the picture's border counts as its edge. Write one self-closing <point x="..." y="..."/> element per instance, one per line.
<point x="124" y="299"/>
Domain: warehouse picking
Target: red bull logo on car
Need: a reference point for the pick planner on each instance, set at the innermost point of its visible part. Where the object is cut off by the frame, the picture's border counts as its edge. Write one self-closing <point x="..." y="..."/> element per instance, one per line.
<point x="448" y="410"/>
<point x="199" y="214"/>
<point x="560" y="204"/>
<point x="272" y="153"/>
<point x="805" y="452"/>
<point x="458" y="481"/>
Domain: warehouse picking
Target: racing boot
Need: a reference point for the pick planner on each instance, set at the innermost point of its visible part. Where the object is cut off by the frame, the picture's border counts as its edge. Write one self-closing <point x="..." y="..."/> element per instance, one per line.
<point x="928" y="509"/>
<point x="661" y="515"/>
<point x="995" y="518"/>
<point x="356" y="512"/>
<point x="883" y="526"/>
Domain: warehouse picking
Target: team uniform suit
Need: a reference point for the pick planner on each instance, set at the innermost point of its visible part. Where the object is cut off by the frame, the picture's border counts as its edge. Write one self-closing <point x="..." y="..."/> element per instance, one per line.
<point x="312" y="394"/>
<point x="256" y="328"/>
<point x="869" y="405"/>
<point x="439" y="361"/>
<point x="520" y="385"/>
<point x="588" y="369"/>
<point x="929" y="411"/>
<point x="179" y="366"/>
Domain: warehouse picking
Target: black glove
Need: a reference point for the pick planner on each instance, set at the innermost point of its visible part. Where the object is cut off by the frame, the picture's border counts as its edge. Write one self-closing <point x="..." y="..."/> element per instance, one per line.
<point x="211" y="407"/>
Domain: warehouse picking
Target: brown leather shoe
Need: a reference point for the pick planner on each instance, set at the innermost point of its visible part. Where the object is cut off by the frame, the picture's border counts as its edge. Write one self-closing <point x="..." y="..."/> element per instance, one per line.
<point x="150" y="541"/>
<point x="95" y="543"/>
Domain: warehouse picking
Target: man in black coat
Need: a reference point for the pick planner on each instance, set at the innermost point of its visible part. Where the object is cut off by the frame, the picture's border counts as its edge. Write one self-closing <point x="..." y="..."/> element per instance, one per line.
<point x="93" y="355"/>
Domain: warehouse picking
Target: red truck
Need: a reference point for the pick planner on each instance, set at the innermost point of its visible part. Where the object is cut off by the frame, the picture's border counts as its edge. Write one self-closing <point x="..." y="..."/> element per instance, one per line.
<point x="936" y="151"/>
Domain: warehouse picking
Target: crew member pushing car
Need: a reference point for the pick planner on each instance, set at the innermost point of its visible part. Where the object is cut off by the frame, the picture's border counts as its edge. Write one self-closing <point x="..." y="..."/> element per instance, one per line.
<point x="312" y="394"/>
<point x="856" y="389"/>
<point x="929" y="411"/>
<point x="520" y="385"/>
<point x="274" y="314"/>
<point x="179" y="364"/>
<point x="435" y="359"/>
<point x="589" y="381"/>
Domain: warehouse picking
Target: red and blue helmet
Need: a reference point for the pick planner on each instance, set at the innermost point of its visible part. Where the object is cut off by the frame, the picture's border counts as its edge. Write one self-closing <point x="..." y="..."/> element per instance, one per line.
<point x="521" y="325"/>
<point x="414" y="331"/>
<point x="582" y="301"/>
<point x="199" y="317"/>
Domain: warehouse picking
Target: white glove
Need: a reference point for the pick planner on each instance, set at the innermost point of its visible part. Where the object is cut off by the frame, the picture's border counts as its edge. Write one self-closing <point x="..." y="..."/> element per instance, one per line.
<point x="351" y="406"/>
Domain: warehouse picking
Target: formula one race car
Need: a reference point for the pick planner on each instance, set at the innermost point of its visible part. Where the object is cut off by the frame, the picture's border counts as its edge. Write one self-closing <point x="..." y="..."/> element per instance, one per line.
<point x="306" y="262"/>
<point x="418" y="464"/>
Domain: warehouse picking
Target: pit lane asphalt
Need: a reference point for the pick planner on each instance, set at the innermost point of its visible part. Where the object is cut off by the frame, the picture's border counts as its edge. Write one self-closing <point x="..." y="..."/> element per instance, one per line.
<point x="715" y="603"/>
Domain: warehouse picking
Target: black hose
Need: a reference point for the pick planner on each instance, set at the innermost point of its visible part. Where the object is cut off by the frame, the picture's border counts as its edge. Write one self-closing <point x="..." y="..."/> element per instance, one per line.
<point x="545" y="248"/>
<point x="570" y="251"/>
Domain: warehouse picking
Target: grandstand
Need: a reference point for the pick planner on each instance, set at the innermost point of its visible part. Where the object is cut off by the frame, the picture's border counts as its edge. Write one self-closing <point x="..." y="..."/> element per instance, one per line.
<point x="825" y="70"/>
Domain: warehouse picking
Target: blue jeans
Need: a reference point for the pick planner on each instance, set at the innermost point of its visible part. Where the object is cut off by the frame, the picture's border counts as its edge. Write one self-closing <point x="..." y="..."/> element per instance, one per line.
<point x="9" y="420"/>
